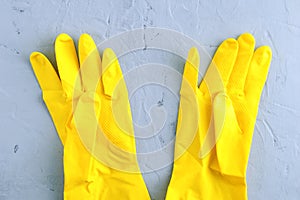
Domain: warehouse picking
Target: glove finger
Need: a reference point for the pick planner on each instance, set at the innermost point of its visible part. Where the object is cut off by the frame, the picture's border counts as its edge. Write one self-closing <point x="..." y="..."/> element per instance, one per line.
<point x="89" y="62"/>
<point x="190" y="73"/>
<point x="218" y="73"/>
<point x="67" y="63"/>
<point x="239" y="72"/>
<point x="44" y="72"/>
<point x="225" y="57"/>
<point x="258" y="73"/>
<point x="114" y="86"/>
<point x="111" y="72"/>
<point x="52" y="92"/>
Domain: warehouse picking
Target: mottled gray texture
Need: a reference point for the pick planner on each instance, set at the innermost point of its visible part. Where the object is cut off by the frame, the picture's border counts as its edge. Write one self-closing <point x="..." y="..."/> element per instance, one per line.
<point x="30" y="150"/>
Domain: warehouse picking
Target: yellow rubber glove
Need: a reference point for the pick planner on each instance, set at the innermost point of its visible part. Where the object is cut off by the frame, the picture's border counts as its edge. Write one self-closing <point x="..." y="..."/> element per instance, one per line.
<point x="213" y="145"/>
<point x="93" y="119"/>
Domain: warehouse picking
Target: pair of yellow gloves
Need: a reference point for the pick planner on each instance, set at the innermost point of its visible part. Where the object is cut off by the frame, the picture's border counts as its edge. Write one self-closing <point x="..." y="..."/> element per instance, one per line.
<point x="89" y="105"/>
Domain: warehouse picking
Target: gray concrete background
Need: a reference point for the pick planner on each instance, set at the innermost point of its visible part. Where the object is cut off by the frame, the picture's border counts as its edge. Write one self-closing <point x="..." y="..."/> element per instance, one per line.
<point x="30" y="150"/>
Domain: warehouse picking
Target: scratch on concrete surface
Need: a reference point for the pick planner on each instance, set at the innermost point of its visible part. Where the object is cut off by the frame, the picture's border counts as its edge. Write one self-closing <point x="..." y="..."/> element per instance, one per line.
<point x="269" y="35"/>
<point x="271" y="132"/>
<point x="11" y="50"/>
<point x="260" y="134"/>
<point x="16" y="148"/>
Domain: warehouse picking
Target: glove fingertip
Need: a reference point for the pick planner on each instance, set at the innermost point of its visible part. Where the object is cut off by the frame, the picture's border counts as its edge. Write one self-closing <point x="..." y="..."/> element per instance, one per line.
<point x="63" y="37"/>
